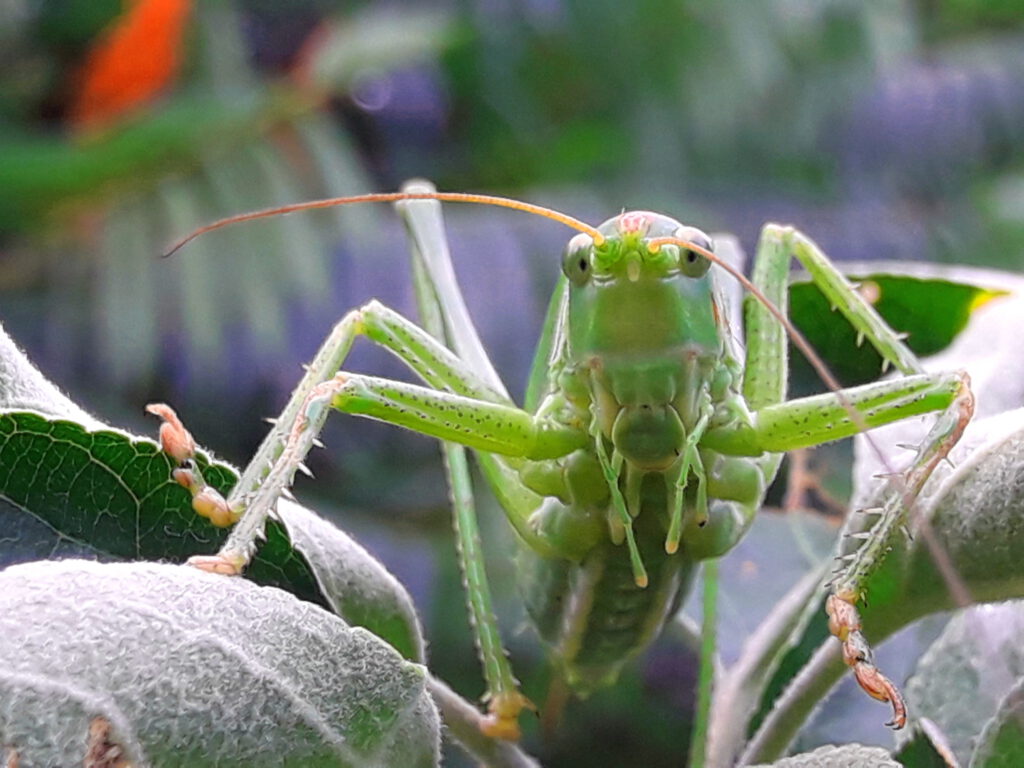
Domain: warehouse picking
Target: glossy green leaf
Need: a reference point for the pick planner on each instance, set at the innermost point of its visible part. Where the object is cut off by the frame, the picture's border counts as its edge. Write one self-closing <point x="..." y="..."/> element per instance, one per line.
<point x="113" y="494"/>
<point x="907" y="303"/>
<point x="174" y="666"/>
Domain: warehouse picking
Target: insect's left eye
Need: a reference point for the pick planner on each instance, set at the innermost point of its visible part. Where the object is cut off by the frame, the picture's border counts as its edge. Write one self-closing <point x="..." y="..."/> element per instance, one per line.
<point x="576" y="259"/>
<point x="691" y="262"/>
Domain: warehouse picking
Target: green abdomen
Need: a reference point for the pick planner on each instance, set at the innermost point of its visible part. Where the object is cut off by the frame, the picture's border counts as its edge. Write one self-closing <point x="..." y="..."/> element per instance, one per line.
<point x="593" y="615"/>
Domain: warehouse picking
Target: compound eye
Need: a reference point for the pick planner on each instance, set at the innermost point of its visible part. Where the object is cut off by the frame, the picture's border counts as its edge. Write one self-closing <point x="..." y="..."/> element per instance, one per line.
<point x="576" y="258"/>
<point x="691" y="262"/>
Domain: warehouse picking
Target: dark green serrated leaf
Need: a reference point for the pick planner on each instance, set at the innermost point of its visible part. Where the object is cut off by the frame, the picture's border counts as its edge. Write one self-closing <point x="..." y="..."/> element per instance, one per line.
<point x="69" y="491"/>
<point x="111" y="495"/>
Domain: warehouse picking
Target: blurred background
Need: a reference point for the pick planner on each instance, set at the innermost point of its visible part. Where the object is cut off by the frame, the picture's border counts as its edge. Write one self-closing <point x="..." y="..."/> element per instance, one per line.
<point x="884" y="129"/>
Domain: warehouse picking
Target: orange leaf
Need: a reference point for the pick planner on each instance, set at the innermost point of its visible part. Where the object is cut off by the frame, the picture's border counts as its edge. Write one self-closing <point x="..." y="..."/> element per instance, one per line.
<point x="135" y="59"/>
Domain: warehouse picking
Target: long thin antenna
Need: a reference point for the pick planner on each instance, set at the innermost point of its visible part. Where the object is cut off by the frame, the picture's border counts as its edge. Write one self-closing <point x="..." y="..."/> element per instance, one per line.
<point x="391" y="197"/>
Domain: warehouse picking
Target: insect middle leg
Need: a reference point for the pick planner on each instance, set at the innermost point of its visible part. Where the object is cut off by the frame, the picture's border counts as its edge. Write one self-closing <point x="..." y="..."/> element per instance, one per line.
<point x="780" y="426"/>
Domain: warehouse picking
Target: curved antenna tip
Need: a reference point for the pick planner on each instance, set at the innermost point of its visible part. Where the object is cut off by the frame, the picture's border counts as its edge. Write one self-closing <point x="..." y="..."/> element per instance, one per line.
<point x="391" y="197"/>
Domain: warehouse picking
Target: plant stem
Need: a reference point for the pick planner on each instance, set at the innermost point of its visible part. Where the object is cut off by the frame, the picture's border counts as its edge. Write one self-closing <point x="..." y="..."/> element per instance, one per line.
<point x="792" y="708"/>
<point x="702" y="715"/>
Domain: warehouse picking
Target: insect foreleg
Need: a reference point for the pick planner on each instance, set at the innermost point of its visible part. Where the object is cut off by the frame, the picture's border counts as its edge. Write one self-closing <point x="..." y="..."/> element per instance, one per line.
<point x="475" y="423"/>
<point x="891" y="521"/>
<point x="779" y="426"/>
<point x="272" y="469"/>
<point x="818" y="419"/>
<point x="462" y="409"/>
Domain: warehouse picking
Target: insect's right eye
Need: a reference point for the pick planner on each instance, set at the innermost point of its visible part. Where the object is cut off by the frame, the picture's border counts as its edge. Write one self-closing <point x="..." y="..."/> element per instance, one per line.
<point x="576" y="259"/>
<point x="692" y="263"/>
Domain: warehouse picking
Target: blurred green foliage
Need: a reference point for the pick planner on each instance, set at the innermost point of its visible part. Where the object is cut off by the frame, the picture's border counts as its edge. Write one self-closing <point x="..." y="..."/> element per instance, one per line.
<point x="881" y="128"/>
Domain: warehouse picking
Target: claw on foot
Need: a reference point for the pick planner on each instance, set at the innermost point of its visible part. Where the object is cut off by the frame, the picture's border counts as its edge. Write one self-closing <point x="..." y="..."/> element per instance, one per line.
<point x="502" y="718"/>
<point x="223" y="565"/>
<point x="879" y="687"/>
<point x="177" y="443"/>
<point x="210" y="504"/>
<point x="175" y="440"/>
<point x="844" y="623"/>
<point x="206" y="500"/>
<point x="843" y="617"/>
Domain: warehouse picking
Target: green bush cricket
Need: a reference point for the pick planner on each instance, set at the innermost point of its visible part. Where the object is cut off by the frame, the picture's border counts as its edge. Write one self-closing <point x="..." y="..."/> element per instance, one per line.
<point x="646" y="441"/>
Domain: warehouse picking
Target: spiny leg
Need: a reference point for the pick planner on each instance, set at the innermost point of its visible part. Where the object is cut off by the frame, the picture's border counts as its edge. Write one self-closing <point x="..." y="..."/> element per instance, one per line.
<point x="813" y="420"/>
<point x="477" y="417"/>
<point x="483" y="424"/>
<point x="409" y="343"/>
<point x="504" y="699"/>
<point x="849" y="585"/>
<point x="436" y="286"/>
<point x="425" y="226"/>
<point x="783" y="426"/>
